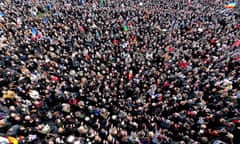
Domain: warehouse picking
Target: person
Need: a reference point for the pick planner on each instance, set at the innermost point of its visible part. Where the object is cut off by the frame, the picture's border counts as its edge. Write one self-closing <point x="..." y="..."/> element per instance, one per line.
<point x="119" y="72"/>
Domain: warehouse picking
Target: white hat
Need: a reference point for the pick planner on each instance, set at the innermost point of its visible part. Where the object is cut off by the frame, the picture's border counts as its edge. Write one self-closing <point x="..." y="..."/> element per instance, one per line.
<point x="34" y="94"/>
<point x="114" y="117"/>
<point x="70" y="139"/>
<point x="151" y="134"/>
<point x="230" y="136"/>
<point x="66" y="107"/>
<point x="218" y="142"/>
<point x="77" y="142"/>
<point x="46" y="129"/>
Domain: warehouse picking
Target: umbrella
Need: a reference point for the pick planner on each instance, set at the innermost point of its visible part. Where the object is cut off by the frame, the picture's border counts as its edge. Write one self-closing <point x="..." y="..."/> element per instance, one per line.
<point x="46" y="20"/>
<point x="231" y="5"/>
<point x="4" y="140"/>
<point x="34" y="31"/>
<point x="12" y="140"/>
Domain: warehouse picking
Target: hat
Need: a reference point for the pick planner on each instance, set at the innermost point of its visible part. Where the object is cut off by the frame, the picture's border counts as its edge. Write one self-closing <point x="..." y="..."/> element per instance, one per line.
<point x="141" y="134"/>
<point x="3" y="122"/>
<point x="218" y="142"/>
<point x="45" y="129"/>
<point x="77" y="114"/>
<point x="81" y="104"/>
<point x="70" y="139"/>
<point x="122" y="114"/>
<point x="114" y="117"/>
<point x="66" y="107"/>
<point x="77" y="142"/>
<point x="91" y="133"/>
<point x="133" y="138"/>
<point x="13" y="130"/>
<point x="104" y="113"/>
<point x="151" y="134"/>
<point x="34" y="94"/>
<point x="204" y="140"/>
<point x="87" y="119"/>
<point x="37" y="103"/>
<point x="82" y="130"/>
<point x="230" y="136"/>
<point x="9" y="94"/>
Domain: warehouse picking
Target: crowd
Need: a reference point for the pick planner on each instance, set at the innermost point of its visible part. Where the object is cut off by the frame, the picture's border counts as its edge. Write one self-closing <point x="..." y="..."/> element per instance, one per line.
<point x="119" y="72"/>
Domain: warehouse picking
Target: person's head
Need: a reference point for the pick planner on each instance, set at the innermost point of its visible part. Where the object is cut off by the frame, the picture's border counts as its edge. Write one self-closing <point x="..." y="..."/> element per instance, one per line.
<point x="182" y="142"/>
<point x="12" y="108"/>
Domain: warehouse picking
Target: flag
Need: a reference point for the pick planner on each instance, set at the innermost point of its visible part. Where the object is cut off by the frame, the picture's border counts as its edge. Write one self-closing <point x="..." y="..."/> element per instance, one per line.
<point x="238" y="95"/>
<point x="237" y="43"/>
<point x="1" y="14"/>
<point x="231" y="5"/>
<point x="125" y="28"/>
<point x="236" y="121"/>
<point x="102" y="3"/>
<point x="97" y="112"/>
<point x="171" y="49"/>
<point x="49" y="6"/>
<point x="46" y="20"/>
<point x="158" y="96"/>
<point x="183" y="65"/>
<point x="54" y="78"/>
<point x="115" y="42"/>
<point x="56" y="13"/>
<point x="34" y="31"/>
